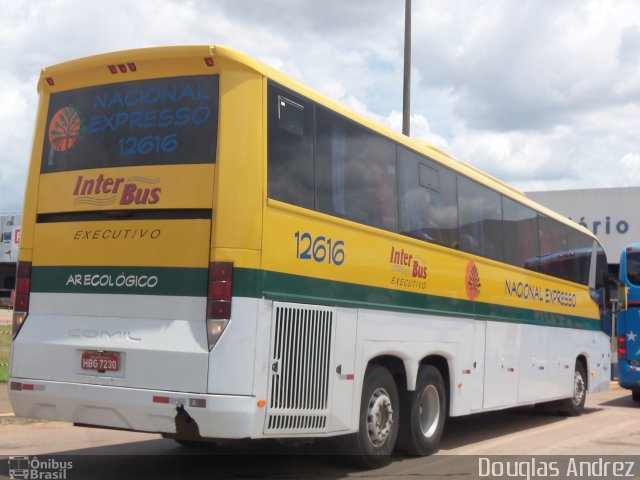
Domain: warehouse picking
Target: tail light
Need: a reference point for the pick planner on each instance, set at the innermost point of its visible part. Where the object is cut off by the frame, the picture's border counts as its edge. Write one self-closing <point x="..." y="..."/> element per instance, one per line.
<point x="21" y="302"/>
<point x="218" y="300"/>
<point x="622" y="347"/>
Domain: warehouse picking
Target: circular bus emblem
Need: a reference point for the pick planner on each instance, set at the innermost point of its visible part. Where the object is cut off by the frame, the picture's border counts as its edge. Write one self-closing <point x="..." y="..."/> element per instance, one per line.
<point x="472" y="281"/>
<point x="64" y="129"/>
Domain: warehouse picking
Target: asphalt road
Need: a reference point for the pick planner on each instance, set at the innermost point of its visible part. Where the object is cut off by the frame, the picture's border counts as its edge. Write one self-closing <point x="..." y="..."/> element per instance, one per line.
<point x="609" y="426"/>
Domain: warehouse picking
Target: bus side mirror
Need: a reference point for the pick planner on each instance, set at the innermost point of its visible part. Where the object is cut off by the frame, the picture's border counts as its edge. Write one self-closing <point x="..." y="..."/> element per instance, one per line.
<point x="622" y="297"/>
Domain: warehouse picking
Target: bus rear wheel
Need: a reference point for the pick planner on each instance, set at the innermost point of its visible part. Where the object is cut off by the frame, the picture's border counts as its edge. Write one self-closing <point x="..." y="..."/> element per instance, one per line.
<point x="423" y="414"/>
<point x="635" y="395"/>
<point x="574" y="405"/>
<point x="377" y="432"/>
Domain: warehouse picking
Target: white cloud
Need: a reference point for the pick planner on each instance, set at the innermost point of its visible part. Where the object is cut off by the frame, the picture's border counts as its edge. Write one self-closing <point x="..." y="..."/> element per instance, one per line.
<point x="542" y="94"/>
<point x="631" y="169"/>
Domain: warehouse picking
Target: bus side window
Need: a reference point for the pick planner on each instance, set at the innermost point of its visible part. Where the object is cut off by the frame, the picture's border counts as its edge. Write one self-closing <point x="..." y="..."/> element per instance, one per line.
<point x="427" y="199"/>
<point x="520" y="226"/>
<point x="355" y="172"/>
<point x="480" y="219"/>
<point x="290" y="148"/>
<point x="553" y="243"/>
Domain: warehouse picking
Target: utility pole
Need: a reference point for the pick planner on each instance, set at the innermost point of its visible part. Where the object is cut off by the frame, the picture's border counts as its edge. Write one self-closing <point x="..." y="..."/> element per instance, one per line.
<point x="406" y="90"/>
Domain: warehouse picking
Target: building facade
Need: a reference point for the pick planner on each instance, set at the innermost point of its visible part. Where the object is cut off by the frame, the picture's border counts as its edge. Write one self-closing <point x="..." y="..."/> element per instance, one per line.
<point x="10" y="228"/>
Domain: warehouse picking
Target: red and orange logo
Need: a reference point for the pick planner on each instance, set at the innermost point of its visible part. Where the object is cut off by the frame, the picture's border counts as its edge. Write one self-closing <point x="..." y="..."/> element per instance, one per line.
<point x="64" y="129"/>
<point x="472" y="281"/>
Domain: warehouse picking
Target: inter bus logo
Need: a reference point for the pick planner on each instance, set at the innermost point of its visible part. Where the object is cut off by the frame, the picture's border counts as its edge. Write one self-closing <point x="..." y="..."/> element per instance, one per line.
<point x="101" y="190"/>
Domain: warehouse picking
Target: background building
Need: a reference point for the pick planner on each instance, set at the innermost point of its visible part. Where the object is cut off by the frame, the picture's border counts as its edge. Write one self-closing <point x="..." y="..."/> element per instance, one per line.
<point x="10" y="226"/>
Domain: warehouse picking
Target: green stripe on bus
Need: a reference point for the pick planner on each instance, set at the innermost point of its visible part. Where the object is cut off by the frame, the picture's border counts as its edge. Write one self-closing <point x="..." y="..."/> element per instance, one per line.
<point x="176" y="281"/>
<point x="121" y="280"/>
<point x="295" y="288"/>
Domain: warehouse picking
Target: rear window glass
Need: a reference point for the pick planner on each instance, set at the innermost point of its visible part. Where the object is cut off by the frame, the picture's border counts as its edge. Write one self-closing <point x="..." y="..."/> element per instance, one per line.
<point x="146" y="122"/>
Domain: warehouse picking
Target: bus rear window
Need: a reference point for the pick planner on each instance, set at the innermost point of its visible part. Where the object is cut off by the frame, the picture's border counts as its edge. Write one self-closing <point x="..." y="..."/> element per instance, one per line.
<point x="147" y="122"/>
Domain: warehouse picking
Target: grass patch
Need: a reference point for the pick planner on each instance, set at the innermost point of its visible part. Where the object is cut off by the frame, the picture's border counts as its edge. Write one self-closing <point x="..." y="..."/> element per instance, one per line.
<point x="5" y="347"/>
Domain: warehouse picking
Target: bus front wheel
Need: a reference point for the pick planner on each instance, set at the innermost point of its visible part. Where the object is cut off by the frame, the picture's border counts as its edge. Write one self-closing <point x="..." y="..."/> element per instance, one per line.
<point x="377" y="432"/>
<point x="574" y="405"/>
<point x="423" y="414"/>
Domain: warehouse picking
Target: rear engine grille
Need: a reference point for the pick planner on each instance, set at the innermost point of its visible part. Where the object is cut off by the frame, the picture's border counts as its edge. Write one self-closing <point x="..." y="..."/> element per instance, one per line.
<point x="300" y="366"/>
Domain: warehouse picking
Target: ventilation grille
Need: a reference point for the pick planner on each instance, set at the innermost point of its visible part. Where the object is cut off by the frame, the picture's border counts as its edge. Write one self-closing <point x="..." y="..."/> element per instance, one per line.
<point x="300" y="366"/>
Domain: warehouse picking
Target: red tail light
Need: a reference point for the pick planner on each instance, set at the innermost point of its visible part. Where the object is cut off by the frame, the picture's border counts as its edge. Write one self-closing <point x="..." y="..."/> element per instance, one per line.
<point x="218" y="300"/>
<point x="23" y="291"/>
<point x="622" y="347"/>
<point x="220" y="285"/>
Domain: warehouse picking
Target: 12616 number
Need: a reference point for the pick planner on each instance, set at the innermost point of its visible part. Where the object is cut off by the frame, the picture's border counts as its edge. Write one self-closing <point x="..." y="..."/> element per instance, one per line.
<point x="148" y="144"/>
<point x="320" y="249"/>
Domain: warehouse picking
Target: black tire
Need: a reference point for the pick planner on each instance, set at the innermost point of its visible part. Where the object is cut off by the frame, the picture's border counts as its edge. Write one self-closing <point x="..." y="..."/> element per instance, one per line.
<point x="572" y="407"/>
<point x="423" y="414"/>
<point x="375" y="440"/>
<point x="635" y="395"/>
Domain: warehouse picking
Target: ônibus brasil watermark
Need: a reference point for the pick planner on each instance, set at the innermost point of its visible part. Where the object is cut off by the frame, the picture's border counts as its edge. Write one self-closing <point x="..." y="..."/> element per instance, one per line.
<point x="27" y="468"/>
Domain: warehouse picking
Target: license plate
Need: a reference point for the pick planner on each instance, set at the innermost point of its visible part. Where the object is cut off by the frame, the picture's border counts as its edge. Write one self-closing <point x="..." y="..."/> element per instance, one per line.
<point x="100" y="361"/>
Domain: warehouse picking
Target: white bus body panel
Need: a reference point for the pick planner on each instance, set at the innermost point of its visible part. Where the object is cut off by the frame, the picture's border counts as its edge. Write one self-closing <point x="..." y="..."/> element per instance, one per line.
<point x="484" y="360"/>
<point x="161" y="341"/>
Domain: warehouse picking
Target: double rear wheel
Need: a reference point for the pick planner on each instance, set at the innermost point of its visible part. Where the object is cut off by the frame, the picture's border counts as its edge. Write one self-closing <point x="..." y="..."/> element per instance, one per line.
<point x="423" y="413"/>
<point x="372" y="445"/>
<point x="413" y="422"/>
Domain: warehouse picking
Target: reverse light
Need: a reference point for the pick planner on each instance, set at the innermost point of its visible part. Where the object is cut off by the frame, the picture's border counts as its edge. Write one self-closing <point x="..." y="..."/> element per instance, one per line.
<point x="218" y="300"/>
<point x="23" y="291"/>
<point x="622" y="347"/>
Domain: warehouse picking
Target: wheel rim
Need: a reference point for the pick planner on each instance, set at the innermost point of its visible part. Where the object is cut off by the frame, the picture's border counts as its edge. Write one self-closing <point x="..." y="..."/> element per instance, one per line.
<point x="579" y="389"/>
<point x="379" y="417"/>
<point x="429" y="413"/>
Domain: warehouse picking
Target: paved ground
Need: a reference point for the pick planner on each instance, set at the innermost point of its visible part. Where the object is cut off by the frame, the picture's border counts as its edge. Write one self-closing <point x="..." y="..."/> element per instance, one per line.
<point x="610" y="425"/>
<point x="5" y="316"/>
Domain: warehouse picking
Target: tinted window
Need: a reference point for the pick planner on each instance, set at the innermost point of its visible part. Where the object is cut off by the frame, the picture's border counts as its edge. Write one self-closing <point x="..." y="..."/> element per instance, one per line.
<point x="553" y="242"/>
<point x="427" y="199"/>
<point x="146" y="122"/>
<point x="290" y="150"/>
<point x="580" y="248"/>
<point x="633" y="268"/>
<point x="602" y="268"/>
<point x="480" y="219"/>
<point x="355" y="172"/>
<point x="520" y="226"/>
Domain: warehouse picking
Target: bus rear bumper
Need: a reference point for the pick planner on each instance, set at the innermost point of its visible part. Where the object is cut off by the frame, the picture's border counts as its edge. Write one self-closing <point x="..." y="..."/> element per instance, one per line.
<point x="142" y="410"/>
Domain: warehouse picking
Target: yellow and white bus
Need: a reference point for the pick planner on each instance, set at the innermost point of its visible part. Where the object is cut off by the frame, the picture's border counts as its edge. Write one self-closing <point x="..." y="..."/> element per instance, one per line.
<point x="211" y="250"/>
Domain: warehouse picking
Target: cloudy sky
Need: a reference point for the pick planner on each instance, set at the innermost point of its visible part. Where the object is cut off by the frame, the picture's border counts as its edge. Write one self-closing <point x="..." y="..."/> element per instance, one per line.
<point x="542" y="94"/>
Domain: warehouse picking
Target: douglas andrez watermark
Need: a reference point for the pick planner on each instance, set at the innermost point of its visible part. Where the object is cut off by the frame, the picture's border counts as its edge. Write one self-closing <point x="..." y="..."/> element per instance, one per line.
<point x="565" y="467"/>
